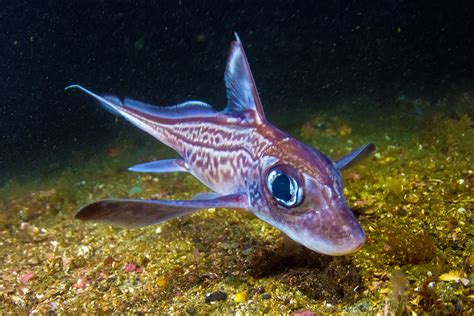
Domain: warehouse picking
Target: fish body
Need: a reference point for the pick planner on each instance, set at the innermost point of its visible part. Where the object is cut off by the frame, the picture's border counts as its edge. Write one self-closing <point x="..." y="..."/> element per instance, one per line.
<point x="247" y="163"/>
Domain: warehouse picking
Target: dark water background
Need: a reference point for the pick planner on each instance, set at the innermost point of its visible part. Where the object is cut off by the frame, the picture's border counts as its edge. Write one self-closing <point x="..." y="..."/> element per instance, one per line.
<point x="165" y="52"/>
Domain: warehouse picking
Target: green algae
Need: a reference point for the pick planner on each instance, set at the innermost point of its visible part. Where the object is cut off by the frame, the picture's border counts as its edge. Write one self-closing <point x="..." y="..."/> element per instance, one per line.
<point x="413" y="197"/>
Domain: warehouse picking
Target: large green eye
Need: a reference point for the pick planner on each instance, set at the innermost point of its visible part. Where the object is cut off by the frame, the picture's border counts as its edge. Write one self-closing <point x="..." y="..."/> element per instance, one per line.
<point x="284" y="188"/>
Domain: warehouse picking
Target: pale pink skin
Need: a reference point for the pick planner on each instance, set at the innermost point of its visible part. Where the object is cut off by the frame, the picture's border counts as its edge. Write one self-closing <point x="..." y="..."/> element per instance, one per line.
<point x="232" y="151"/>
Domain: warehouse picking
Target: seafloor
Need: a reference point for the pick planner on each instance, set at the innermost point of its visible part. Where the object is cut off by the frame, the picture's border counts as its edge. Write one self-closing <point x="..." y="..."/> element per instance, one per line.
<point x="413" y="197"/>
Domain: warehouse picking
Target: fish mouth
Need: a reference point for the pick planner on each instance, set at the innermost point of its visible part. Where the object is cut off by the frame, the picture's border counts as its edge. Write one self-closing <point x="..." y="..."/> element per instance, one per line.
<point x="345" y="244"/>
<point x="336" y="236"/>
<point x="353" y="241"/>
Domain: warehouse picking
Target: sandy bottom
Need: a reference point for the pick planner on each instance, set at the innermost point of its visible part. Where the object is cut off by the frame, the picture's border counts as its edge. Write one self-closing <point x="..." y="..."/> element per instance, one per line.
<point x="413" y="197"/>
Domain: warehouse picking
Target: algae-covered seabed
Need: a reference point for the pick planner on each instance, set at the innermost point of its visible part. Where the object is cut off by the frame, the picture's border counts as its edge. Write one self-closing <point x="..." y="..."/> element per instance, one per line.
<point x="413" y="197"/>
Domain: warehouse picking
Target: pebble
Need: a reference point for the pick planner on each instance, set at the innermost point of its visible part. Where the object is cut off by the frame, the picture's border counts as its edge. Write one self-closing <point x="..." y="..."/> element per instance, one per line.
<point x="411" y="198"/>
<point x="260" y="290"/>
<point x="402" y="212"/>
<point x="132" y="267"/>
<point x="303" y="313"/>
<point x="26" y="277"/>
<point x="247" y="251"/>
<point x="161" y="281"/>
<point x="266" y="296"/>
<point x="135" y="190"/>
<point x="240" y="297"/>
<point x="216" y="296"/>
<point x="461" y="210"/>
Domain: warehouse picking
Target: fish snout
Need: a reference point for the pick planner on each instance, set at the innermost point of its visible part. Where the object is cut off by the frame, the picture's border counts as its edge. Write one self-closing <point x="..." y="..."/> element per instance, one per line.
<point x="346" y="238"/>
<point x="334" y="234"/>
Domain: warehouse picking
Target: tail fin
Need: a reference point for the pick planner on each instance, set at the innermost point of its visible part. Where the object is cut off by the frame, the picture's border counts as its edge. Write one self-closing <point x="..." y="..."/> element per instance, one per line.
<point x="149" y="118"/>
<point x="110" y="103"/>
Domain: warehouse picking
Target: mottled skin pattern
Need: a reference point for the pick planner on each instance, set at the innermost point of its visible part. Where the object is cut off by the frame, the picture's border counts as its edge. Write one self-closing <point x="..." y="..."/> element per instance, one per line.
<point x="233" y="156"/>
<point x="231" y="152"/>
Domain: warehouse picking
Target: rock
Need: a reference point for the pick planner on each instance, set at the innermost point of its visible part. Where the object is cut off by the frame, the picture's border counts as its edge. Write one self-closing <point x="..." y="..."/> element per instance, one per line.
<point x="216" y="296"/>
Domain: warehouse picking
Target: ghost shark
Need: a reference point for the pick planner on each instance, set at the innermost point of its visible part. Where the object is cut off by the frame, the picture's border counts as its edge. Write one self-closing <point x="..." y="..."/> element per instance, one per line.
<point x="247" y="163"/>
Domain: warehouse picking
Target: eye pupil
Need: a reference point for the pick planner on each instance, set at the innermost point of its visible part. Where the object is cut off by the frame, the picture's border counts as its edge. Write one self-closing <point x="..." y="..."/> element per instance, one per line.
<point x="281" y="187"/>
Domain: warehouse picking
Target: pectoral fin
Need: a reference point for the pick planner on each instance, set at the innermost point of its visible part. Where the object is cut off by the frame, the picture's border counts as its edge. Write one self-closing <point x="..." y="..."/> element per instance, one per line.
<point x="354" y="157"/>
<point x="160" y="166"/>
<point x="140" y="213"/>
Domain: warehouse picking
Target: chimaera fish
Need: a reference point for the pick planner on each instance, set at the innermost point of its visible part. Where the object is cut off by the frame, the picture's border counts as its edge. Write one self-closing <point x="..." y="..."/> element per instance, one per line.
<point x="245" y="160"/>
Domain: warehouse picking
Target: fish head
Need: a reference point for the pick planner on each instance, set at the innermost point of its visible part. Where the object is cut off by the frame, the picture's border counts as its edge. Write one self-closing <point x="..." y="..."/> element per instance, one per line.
<point x="302" y="195"/>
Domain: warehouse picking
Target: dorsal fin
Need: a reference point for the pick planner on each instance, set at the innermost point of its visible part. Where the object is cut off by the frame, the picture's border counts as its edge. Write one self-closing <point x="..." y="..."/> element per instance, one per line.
<point x="242" y="95"/>
<point x="117" y="106"/>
